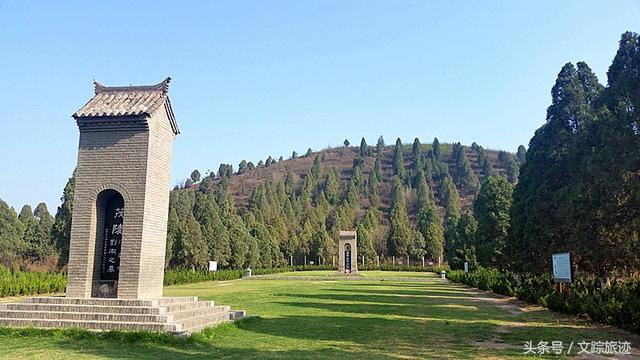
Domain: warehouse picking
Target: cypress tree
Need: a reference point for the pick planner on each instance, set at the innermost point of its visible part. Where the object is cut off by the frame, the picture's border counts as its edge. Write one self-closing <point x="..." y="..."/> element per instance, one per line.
<point x="400" y="233"/>
<point x="61" y="231"/>
<point x="365" y="150"/>
<point x="11" y="229"/>
<point x="537" y="222"/>
<point x="491" y="209"/>
<point x="522" y="154"/>
<point x="43" y="247"/>
<point x="398" y="160"/>
<point x="435" y="148"/>
<point x="173" y="231"/>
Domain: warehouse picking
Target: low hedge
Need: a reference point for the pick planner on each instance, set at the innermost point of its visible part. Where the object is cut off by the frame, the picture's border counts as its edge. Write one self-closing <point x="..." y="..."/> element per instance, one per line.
<point x="16" y="282"/>
<point x="616" y="304"/>
<point x="413" y="268"/>
<point x="179" y="277"/>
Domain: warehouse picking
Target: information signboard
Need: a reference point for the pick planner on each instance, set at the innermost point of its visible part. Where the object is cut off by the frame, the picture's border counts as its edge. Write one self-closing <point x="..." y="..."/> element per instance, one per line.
<point x="562" y="267"/>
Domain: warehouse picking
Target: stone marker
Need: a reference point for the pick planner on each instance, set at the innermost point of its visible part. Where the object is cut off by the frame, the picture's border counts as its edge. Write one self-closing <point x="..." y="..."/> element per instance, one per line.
<point x="119" y="225"/>
<point x="348" y="252"/>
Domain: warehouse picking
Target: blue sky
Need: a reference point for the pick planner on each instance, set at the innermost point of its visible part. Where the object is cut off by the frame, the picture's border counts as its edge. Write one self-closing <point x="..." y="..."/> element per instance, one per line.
<point x="259" y="78"/>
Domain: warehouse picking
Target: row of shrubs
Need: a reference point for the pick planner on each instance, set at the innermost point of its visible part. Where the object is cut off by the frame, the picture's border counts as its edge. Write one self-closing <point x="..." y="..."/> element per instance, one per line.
<point x="413" y="268"/>
<point x="617" y="303"/>
<point x="17" y="282"/>
<point x="178" y="277"/>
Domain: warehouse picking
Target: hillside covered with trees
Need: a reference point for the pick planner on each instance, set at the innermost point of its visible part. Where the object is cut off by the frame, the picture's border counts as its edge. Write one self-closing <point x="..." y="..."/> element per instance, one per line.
<point x="398" y="197"/>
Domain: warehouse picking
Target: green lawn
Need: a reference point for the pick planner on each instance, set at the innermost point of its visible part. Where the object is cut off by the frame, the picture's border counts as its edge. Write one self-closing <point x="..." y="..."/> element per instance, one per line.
<point x="374" y="274"/>
<point x="370" y="319"/>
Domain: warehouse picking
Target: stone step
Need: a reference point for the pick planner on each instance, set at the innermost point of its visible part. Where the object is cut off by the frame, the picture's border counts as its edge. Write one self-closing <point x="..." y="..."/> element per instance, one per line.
<point x="90" y="325"/>
<point x="237" y="314"/>
<point x="108" y="302"/>
<point x="185" y="314"/>
<point x="172" y="300"/>
<point x="181" y="306"/>
<point x="83" y="308"/>
<point x="199" y="322"/>
<point x="83" y="316"/>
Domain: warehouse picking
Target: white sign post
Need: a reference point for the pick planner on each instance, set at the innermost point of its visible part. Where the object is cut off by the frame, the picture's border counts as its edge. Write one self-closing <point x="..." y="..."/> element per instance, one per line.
<point x="562" y="270"/>
<point x="213" y="266"/>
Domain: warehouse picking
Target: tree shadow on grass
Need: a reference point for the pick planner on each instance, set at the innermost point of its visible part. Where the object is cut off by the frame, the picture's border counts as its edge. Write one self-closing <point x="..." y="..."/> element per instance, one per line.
<point x="395" y="292"/>
<point x="202" y="351"/>
<point x="412" y="336"/>
<point x="432" y="313"/>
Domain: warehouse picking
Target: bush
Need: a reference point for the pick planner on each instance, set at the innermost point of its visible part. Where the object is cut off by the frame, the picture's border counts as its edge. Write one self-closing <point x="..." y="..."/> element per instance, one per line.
<point x="617" y="304"/>
<point x="185" y="276"/>
<point x="413" y="268"/>
<point x="16" y="282"/>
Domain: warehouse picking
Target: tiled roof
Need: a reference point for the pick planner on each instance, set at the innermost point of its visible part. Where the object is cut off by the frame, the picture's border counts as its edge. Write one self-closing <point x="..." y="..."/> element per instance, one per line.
<point x="125" y="100"/>
<point x="115" y="101"/>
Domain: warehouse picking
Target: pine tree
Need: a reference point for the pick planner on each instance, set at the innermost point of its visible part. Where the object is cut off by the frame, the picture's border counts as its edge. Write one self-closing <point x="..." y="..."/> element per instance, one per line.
<point x="400" y="233"/>
<point x="346" y="143"/>
<point x="173" y="231"/>
<point x="429" y="224"/>
<point x="242" y="167"/>
<point x="29" y="224"/>
<point x="61" y="231"/>
<point x="365" y="150"/>
<point x="522" y="154"/>
<point x="435" y="147"/>
<point x="461" y="247"/>
<point x="332" y="187"/>
<point x="190" y="248"/>
<point x="464" y="175"/>
<point x="195" y="176"/>
<point x="43" y="247"/>
<point x="11" y="229"/>
<point x="316" y="169"/>
<point x="510" y="164"/>
<point x="214" y="233"/>
<point x="380" y="145"/>
<point x="398" y="160"/>
<point x="538" y="224"/>
<point x="491" y="209"/>
<point x="415" y="149"/>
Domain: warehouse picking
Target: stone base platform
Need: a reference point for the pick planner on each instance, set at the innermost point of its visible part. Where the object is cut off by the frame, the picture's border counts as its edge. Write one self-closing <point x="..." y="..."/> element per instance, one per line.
<point x="179" y="315"/>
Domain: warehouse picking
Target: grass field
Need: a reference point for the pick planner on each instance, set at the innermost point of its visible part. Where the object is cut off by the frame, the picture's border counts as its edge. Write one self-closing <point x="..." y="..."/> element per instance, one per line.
<point x="311" y="319"/>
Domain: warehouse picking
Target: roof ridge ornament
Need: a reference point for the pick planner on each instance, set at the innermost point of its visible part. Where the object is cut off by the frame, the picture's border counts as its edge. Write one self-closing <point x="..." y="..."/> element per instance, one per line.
<point x="161" y="86"/>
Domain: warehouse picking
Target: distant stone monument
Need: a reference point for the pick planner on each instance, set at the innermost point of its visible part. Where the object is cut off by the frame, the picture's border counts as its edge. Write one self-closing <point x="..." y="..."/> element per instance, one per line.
<point x="119" y="225"/>
<point x="348" y="252"/>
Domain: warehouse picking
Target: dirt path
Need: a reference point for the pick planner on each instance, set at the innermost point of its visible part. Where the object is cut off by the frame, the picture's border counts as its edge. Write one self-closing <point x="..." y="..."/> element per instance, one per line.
<point x="516" y="307"/>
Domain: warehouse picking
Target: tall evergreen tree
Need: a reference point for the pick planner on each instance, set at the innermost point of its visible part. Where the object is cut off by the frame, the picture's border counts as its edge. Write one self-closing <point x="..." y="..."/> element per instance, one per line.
<point x="11" y="229"/>
<point x="214" y="233"/>
<point x="435" y="148"/>
<point x="522" y="154"/>
<point x="537" y="222"/>
<point x="195" y="176"/>
<point x="491" y="209"/>
<point x="42" y="247"/>
<point x="398" y="160"/>
<point x="61" y="231"/>
<point x="400" y="232"/>
<point x="365" y="150"/>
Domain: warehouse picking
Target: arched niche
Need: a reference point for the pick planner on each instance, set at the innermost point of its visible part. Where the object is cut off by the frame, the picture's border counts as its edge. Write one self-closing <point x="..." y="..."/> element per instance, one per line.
<point x="110" y="207"/>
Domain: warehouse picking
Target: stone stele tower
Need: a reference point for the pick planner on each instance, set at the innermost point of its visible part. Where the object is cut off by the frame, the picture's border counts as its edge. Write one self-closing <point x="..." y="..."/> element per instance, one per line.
<point x="121" y="199"/>
<point x="348" y="252"/>
<point x="119" y="225"/>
